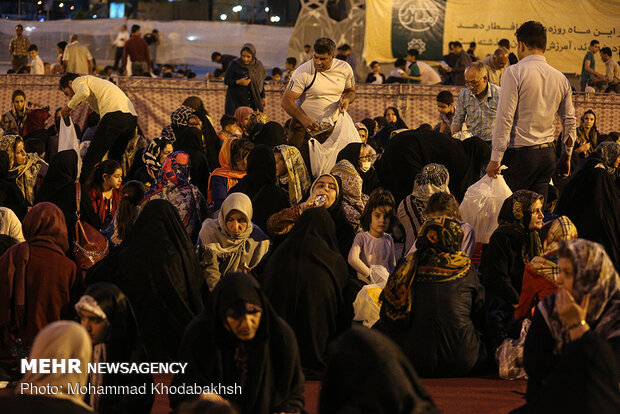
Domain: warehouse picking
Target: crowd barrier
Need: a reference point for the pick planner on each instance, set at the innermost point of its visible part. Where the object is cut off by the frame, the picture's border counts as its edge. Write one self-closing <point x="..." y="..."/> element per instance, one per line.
<point x="155" y="99"/>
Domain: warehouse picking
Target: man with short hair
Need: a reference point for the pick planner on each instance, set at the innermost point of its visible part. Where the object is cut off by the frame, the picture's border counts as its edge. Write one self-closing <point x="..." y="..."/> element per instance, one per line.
<point x="461" y="62"/>
<point x="224" y="60"/>
<point x="18" y="48"/>
<point x="349" y="56"/>
<point x="118" y="117"/>
<point x="476" y="104"/>
<point x="512" y="58"/>
<point x="139" y="53"/>
<point x="495" y="64"/>
<point x="588" y="65"/>
<point x="289" y="66"/>
<point x="119" y="44"/>
<point x="472" y="51"/>
<point x="523" y="136"/>
<point x="77" y="58"/>
<point x="611" y="80"/>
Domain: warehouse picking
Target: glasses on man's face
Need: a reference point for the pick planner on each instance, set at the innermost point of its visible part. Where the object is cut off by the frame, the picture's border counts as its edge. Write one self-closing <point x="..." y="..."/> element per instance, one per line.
<point x="474" y="83"/>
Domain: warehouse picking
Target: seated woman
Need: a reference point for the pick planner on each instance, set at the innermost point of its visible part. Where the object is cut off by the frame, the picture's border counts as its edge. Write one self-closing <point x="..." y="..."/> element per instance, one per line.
<point x="591" y="199"/>
<point x="27" y="170"/>
<point x="242" y="115"/>
<point x="189" y="141"/>
<point x="104" y="190"/>
<point x="38" y="281"/>
<point x="433" y="304"/>
<point x="34" y="126"/>
<point x="107" y="315"/>
<point x="354" y="200"/>
<point x="13" y="120"/>
<point x="362" y="156"/>
<point x="515" y="242"/>
<point x="210" y="140"/>
<point x="58" y="341"/>
<point x="271" y="134"/>
<point x="325" y="192"/>
<point x="304" y="279"/>
<point x="292" y="173"/>
<point x="573" y="345"/>
<point x="10" y="195"/>
<point x="393" y="387"/>
<point x="256" y="122"/>
<point x="259" y="185"/>
<point x="433" y="178"/>
<point x="127" y="212"/>
<point x="239" y="340"/>
<point x="231" y="243"/>
<point x="10" y="225"/>
<point x="233" y="167"/>
<point x="162" y="279"/>
<point x="153" y="159"/>
<point x="173" y="185"/>
<point x="541" y="273"/>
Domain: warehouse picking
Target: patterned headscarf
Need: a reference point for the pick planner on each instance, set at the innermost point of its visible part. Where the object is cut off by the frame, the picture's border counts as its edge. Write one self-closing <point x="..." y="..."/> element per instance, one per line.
<point x="608" y="152"/>
<point x="256" y="120"/>
<point x="516" y="212"/>
<point x="298" y="177"/>
<point x="433" y="178"/>
<point x="437" y="260"/>
<point x="593" y="273"/>
<point x="181" y="116"/>
<point x="354" y="199"/>
<point x="25" y="175"/>
<point x="152" y="153"/>
<point x="547" y="265"/>
<point x="168" y="133"/>
<point x="175" y="170"/>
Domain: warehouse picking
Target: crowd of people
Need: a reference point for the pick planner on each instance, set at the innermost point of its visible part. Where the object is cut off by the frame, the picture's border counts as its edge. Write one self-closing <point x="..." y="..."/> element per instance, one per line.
<point x="242" y="253"/>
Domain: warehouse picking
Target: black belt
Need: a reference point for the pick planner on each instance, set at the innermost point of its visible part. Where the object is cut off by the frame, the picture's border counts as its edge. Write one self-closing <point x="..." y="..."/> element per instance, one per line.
<point x="534" y="147"/>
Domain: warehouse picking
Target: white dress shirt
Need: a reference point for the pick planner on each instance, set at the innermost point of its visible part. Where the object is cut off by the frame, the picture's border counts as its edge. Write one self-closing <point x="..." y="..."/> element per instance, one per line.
<point x="532" y="93"/>
<point x="101" y="95"/>
<point x="121" y="38"/>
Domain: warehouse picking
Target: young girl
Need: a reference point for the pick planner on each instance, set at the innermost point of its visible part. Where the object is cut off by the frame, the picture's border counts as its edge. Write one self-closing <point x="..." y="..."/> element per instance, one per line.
<point x="127" y="212"/>
<point x="231" y="243"/>
<point x="373" y="246"/>
<point x="104" y="190"/>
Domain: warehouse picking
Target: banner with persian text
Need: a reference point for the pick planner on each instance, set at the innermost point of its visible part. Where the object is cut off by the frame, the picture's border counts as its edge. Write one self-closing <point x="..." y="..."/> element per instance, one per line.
<point x="393" y="26"/>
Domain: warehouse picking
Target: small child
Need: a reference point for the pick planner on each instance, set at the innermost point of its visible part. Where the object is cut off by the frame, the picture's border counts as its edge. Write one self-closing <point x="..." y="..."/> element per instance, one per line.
<point x="445" y="106"/>
<point x="373" y="247"/>
<point x="229" y="128"/>
<point x="36" y="64"/>
<point x="276" y="76"/>
<point x="289" y="66"/>
<point x="400" y="69"/>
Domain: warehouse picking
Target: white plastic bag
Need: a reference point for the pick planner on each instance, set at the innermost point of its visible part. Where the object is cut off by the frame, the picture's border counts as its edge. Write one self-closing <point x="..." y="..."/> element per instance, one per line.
<point x="323" y="156"/>
<point x="509" y="355"/>
<point x="367" y="305"/>
<point x="379" y="275"/>
<point x="482" y="203"/>
<point x="67" y="140"/>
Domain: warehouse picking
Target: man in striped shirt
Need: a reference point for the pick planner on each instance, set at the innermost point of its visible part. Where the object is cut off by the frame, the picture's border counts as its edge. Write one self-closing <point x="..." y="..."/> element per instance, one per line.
<point x="18" y="48"/>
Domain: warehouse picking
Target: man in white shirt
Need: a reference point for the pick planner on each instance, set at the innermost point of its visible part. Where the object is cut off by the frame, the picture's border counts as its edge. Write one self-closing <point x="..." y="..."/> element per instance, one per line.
<point x="36" y="64"/>
<point x="119" y="43"/>
<point x="532" y="93"/>
<point x="76" y="58"/>
<point x="118" y="116"/>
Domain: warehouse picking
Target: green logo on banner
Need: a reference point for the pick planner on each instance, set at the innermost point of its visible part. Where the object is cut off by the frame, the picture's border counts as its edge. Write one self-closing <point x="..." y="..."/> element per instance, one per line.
<point x="418" y="24"/>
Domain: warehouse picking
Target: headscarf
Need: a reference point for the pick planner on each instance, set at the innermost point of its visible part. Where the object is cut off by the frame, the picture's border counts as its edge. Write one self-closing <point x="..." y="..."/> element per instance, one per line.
<point x="261" y="171"/>
<point x="174" y="171"/>
<point x="399" y="124"/>
<point x="168" y="133"/>
<point x="225" y="169"/>
<point x="608" y="152"/>
<point x="34" y="121"/>
<point x="257" y="74"/>
<point x="181" y="116"/>
<point x="437" y="260"/>
<point x="61" y="340"/>
<point x="352" y="154"/>
<point x="354" y="199"/>
<point x="26" y="174"/>
<point x="271" y="368"/>
<point x="393" y="387"/>
<point x="547" y="265"/>
<point x="516" y="213"/>
<point x="298" y="178"/>
<point x="592" y="136"/>
<point x="62" y="171"/>
<point x="152" y="153"/>
<point x="270" y="134"/>
<point x="10" y="194"/>
<point x="593" y="274"/>
<point x="43" y="226"/>
<point x="215" y="237"/>
<point x="240" y="115"/>
<point x="255" y="123"/>
<point x="433" y="178"/>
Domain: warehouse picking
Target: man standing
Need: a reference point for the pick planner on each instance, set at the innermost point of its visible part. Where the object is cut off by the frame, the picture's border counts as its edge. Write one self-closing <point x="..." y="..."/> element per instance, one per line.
<point x="224" y="60"/>
<point x="532" y="93"/>
<point x="153" y="39"/>
<point x="415" y="76"/>
<point x="118" y="117"/>
<point x="77" y="58"/>
<point x="588" y="64"/>
<point x="349" y="57"/>
<point x="137" y="49"/>
<point x="611" y="80"/>
<point x="461" y="62"/>
<point x="18" y="48"/>
<point x="119" y="43"/>
<point x="495" y="64"/>
<point x="512" y="58"/>
<point x="476" y="105"/>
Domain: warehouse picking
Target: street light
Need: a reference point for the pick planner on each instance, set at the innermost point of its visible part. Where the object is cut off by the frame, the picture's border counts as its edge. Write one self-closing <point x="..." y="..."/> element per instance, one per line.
<point x="266" y="9"/>
<point x="61" y="5"/>
<point x="275" y="19"/>
<point x="237" y="8"/>
<point x="223" y="16"/>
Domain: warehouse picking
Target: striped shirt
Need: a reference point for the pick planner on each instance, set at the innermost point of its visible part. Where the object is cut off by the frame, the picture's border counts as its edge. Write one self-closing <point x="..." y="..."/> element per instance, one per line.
<point x="479" y="115"/>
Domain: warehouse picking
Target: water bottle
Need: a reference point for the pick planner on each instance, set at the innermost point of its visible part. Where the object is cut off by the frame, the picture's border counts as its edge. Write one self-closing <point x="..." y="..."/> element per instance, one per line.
<point x="320" y="200"/>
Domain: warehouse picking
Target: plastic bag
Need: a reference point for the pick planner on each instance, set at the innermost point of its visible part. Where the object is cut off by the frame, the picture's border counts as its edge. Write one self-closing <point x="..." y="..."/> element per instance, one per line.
<point x="509" y="355"/>
<point x="68" y="140"/>
<point x="367" y="305"/>
<point x="379" y="275"/>
<point x="323" y="156"/>
<point x="482" y="203"/>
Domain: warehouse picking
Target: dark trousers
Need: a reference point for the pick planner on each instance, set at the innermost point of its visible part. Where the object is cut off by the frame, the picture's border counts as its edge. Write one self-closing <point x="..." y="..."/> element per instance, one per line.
<point x="118" y="56"/>
<point x="113" y="133"/>
<point x="19" y="62"/>
<point x="529" y="169"/>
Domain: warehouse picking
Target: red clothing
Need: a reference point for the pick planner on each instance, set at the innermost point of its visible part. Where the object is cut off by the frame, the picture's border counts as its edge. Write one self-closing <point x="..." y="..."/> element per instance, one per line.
<point x="535" y="288"/>
<point x="101" y="205"/>
<point x="137" y="49"/>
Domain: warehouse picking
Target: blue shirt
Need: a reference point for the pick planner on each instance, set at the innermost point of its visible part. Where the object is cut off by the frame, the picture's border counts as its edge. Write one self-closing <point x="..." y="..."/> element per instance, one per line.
<point x="585" y="75"/>
<point x="479" y="115"/>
